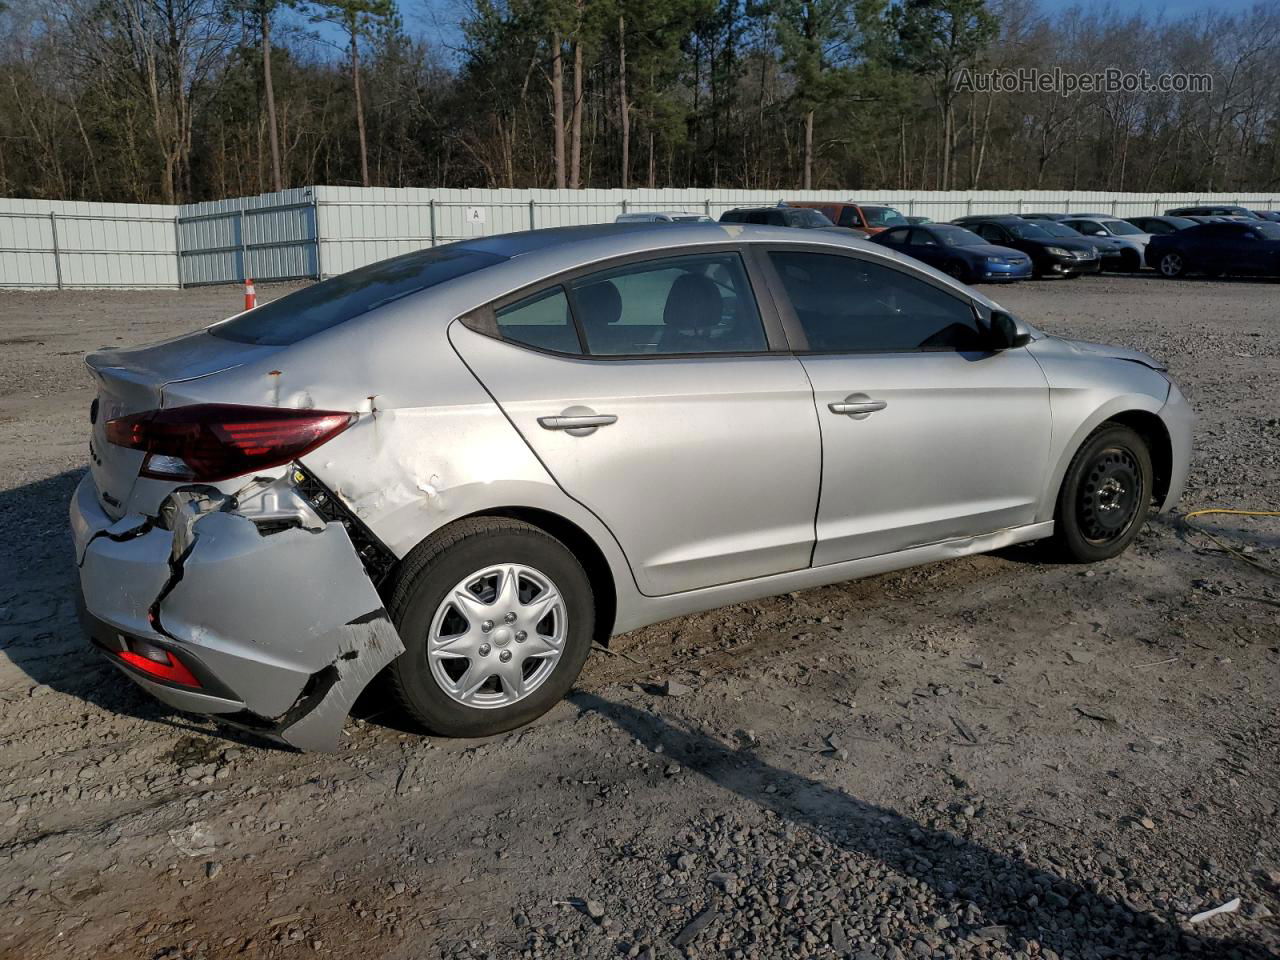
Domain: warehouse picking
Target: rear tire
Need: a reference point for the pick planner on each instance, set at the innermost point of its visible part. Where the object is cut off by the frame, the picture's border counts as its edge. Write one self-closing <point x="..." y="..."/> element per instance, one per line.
<point x="478" y="660"/>
<point x="956" y="270"/>
<point x="1105" y="496"/>
<point x="1172" y="265"/>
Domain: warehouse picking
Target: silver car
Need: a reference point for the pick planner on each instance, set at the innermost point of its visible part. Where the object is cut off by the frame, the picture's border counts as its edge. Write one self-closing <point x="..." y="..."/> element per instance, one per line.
<point x="1131" y="239"/>
<point x="460" y="467"/>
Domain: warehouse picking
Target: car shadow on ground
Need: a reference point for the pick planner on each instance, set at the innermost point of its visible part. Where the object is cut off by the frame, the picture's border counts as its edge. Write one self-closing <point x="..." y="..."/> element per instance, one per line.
<point x="1073" y="919"/>
<point x="40" y="633"/>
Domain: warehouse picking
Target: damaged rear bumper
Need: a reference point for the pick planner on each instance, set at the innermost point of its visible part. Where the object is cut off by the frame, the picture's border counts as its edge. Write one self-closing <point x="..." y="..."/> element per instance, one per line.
<point x="266" y="606"/>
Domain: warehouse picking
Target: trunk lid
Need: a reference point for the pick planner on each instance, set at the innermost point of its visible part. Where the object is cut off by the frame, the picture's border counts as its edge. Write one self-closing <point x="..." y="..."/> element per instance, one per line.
<point x="132" y="381"/>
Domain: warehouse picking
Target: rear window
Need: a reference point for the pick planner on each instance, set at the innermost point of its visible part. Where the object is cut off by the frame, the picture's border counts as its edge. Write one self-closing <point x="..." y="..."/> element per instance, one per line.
<point x="342" y="298"/>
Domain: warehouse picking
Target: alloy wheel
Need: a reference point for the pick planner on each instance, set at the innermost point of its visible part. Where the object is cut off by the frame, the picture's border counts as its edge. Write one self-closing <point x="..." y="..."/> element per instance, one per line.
<point x="1171" y="265"/>
<point x="497" y="636"/>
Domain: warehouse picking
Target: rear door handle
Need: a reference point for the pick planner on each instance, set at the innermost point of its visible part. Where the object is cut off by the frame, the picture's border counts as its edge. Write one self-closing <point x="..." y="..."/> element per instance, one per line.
<point x="577" y="421"/>
<point x="857" y="406"/>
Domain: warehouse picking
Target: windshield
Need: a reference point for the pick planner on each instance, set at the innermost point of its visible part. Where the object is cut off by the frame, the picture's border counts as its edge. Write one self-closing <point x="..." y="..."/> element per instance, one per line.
<point x="1057" y="229"/>
<point x="957" y="236"/>
<point x="803" y="217"/>
<point x="1027" y="231"/>
<point x="339" y="299"/>
<point x="1120" y="228"/>
<point x="1179" y="223"/>
<point x="883" y="216"/>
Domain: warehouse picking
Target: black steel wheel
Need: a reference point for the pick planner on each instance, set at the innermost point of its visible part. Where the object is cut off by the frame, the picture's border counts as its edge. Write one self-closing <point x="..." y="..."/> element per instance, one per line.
<point x="1105" y="495"/>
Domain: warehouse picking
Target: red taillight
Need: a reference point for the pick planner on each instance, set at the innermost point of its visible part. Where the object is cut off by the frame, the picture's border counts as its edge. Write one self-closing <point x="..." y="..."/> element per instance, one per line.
<point x="216" y="441"/>
<point x="160" y="664"/>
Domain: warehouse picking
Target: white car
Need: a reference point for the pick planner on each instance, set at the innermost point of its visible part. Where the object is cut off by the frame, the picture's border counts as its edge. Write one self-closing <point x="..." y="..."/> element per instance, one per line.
<point x="668" y="216"/>
<point x="1132" y="238"/>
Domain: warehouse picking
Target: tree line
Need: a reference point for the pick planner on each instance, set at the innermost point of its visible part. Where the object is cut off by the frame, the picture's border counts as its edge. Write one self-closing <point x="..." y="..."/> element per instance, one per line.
<point x="180" y="100"/>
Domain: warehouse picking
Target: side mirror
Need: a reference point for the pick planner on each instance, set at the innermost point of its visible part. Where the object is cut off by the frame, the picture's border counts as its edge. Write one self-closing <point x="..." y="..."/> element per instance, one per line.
<point x="1007" y="332"/>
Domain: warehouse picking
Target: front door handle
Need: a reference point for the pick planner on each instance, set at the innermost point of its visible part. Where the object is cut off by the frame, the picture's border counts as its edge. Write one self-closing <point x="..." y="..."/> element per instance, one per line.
<point x="577" y="421"/>
<point x="857" y="406"/>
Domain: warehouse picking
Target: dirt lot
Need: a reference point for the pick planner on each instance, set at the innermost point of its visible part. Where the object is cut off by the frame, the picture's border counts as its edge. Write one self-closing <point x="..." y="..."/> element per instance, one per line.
<point x="994" y="757"/>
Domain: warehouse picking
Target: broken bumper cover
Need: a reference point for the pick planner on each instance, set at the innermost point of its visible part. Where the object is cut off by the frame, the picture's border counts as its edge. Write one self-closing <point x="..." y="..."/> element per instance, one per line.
<point x="278" y="625"/>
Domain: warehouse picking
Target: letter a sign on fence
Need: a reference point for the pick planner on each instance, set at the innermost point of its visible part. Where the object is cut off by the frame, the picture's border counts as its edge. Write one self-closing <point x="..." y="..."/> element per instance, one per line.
<point x="475" y="215"/>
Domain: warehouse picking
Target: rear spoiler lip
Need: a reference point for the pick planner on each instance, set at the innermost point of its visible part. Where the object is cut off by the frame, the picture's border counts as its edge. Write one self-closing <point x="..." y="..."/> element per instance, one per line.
<point x="100" y="366"/>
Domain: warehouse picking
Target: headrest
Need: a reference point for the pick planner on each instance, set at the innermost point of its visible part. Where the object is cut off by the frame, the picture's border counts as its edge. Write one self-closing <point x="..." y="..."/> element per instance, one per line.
<point x="599" y="303"/>
<point x="693" y="304"/>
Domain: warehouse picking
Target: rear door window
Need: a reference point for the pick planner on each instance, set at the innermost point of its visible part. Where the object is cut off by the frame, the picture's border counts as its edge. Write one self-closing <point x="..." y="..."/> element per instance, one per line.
<point x="677" y="305"/>
<point x="339" y="299"/>
<point x="849" y="305"/>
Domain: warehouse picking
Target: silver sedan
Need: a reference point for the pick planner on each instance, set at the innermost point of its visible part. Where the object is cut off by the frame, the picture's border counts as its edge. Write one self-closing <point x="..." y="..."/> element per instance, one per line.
<point x="461" y="467"/>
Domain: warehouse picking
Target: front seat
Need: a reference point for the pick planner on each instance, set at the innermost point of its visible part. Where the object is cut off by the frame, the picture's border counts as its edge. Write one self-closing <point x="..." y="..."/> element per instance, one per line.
<point x="599" y="309"/>
<point x="691" y="313"/>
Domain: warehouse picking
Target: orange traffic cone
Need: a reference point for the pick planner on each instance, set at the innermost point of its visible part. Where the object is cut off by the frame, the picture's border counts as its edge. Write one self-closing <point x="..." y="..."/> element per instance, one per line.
<point x="250" y="297"/>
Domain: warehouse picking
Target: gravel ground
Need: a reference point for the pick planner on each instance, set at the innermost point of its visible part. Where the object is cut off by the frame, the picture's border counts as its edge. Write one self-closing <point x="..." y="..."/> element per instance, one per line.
<point x="994" y="757"/>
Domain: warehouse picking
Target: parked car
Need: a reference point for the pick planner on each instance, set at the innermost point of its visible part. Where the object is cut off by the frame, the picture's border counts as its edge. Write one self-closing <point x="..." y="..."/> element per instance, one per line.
<point x="673" y="216"/>
<point x="1158" y="225"/>
<point x="869" y="218"/>
<point x="465" y="465"/>
<point x="1133" y="240"/>
<point x="919" y="219"/>
<point x="1112" y="253"/>
<point x="957" y="252"/>
<point x="1044" y="216"/>
<point x="1050" y="255"/>
<point x="1272" y="215"/>
<point x="787" y="216"/>
<point x="1213" y="210"/>
<point x="1218" y="248"/>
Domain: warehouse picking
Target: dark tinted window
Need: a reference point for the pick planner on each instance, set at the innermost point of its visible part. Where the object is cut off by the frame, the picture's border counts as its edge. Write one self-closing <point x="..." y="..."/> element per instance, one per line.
<point x="541" y="321"/>
<point x="846" y="305"/>
<point x="801" y="217"/>
<point x="883" y="216"/>
<point x="955" y="236"/>
<point x="849" y="217"/>
<point x="691" y="304"/>
<point x="1055" y="229"/>
<point x="992" y="232"/>
<point x="924" y="238"/>
<point x="1027" y="231"/>
<point x="732" y="216"/>
<point x="339" y="299"/>
<point x="897" y="235"/>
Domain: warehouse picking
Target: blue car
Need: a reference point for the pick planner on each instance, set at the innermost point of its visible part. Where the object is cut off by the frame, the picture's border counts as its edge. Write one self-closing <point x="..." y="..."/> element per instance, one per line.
<point x="958" y="252"/>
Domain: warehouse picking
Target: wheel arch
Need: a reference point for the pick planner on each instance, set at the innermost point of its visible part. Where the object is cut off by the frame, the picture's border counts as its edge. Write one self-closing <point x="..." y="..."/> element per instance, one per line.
<point x="595" y="563"/>
<point x="1136" y="410"/>
<point x="1155" y="435"/>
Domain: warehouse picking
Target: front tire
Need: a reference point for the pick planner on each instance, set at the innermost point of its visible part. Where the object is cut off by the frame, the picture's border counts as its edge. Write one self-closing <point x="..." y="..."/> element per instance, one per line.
<point x="1105" y="496"/>
<point x="956" y="270"/>
<point x="497" y="618"/>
